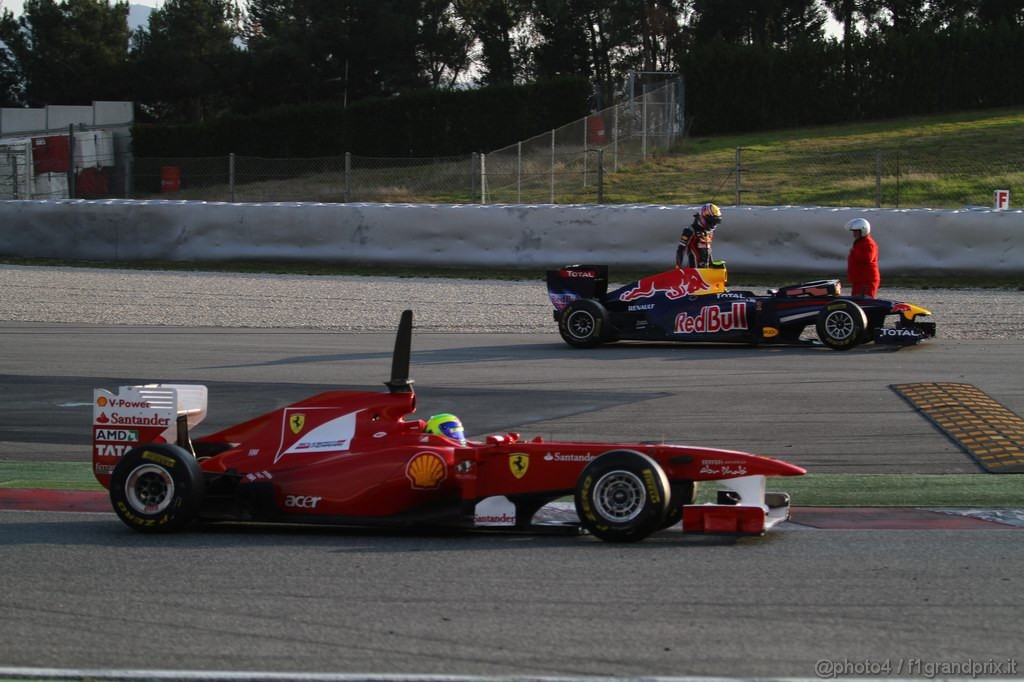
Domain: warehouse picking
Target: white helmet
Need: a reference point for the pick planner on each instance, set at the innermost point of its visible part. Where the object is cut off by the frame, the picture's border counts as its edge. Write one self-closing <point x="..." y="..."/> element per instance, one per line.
<point x="859" y="224"/>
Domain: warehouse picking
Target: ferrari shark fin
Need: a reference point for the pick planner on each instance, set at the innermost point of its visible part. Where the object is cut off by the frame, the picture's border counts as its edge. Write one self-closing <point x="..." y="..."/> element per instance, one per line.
<point x="400" y="381"/>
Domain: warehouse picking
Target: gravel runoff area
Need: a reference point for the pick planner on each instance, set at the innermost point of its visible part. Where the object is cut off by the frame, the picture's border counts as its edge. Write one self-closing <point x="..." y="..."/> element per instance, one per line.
<point x="372" y="304"/>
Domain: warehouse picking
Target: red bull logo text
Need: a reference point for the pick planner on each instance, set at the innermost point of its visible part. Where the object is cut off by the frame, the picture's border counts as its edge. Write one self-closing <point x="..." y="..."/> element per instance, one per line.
<point x="901" y="307"/>
<point x="674" y="284"/>
<point x="713" y="319"/>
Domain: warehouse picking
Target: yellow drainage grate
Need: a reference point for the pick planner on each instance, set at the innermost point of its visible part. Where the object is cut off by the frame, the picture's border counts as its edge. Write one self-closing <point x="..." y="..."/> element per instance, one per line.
<point x="986" y="430"/>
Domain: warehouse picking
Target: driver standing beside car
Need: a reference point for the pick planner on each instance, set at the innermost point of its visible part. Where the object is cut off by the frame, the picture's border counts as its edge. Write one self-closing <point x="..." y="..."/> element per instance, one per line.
<point x="862" y="261"/>
<point x="694" y="250"/>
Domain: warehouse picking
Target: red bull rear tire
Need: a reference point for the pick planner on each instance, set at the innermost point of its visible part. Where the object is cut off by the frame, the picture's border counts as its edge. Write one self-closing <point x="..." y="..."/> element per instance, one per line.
<point x="584" y="323"/>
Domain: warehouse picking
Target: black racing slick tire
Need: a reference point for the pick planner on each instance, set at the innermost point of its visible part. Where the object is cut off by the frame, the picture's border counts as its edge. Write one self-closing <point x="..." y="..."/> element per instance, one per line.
<point x="584" y="323"/>
<point x="622" y="496"/>
<point x="682" y="493"/>
<point x="157" y="488"/>
<point x="841" y="324"/>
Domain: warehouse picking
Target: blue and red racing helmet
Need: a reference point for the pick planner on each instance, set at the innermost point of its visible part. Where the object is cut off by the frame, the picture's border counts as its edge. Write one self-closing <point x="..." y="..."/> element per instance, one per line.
<point x="709" y="217"/>
<point x="447" y="425"/>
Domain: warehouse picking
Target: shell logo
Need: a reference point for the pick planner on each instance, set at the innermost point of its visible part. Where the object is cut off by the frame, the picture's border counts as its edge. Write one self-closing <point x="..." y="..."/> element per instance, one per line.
<point x="101" y="401"/>
<point x="426" y="471"/>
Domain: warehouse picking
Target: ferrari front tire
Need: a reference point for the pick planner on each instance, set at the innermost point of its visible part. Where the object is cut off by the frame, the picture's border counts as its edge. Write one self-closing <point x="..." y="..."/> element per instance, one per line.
<point x="622" y="496"/>
<point x="157" y="488"/>
<point x="841" y="324"/>
<point x="681" y="493"/>
<point x="584" y="323"/>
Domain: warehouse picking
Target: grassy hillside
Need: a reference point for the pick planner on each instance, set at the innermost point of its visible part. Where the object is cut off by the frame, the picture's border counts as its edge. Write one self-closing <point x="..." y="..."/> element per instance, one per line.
<point x="947" y="161"/>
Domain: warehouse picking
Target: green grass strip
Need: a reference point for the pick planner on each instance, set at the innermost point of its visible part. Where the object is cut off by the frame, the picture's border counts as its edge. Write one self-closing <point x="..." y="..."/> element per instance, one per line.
<point x="812" y="490"/>
<point x="48" y="475"/>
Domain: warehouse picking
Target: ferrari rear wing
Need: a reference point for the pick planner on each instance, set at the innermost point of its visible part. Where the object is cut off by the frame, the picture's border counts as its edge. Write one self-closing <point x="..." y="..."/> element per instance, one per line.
<point x="136" y="415"/>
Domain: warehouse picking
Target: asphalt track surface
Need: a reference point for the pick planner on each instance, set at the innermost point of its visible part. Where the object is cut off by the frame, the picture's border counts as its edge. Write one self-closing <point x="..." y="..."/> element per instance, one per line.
<point x="82" y="591"/>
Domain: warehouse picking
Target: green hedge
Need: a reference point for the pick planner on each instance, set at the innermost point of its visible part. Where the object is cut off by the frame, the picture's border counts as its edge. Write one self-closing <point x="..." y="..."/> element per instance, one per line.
<point x="416" y="124"/>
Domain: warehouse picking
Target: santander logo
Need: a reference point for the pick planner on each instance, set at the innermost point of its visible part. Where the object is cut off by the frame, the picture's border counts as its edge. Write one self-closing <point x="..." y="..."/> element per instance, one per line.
<point x="712" y="319"/>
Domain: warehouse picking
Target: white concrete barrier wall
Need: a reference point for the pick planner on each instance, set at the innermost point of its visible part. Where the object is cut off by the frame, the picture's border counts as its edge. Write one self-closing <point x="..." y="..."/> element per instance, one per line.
<point x="751" y="239"/>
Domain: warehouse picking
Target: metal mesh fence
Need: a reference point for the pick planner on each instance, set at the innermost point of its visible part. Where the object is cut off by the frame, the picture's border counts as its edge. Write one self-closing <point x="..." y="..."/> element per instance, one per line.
<point x="633" y="152"/>
<point x="544" y="169"/>
<point x="894" y="178"/>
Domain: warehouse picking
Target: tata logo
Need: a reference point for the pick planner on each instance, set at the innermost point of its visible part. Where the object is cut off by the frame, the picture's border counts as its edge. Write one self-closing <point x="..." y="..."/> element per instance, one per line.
<point x="296" y="422"/>
<point x="301" y="501"/>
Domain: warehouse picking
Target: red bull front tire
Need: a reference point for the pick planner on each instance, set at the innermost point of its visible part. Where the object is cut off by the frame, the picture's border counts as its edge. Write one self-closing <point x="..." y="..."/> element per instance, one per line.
<point x="584" y="323"/>
<point x="841" y="324"/>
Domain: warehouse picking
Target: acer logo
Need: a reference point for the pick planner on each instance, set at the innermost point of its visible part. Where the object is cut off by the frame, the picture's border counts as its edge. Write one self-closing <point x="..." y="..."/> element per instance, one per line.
<point x="301" y="501"/>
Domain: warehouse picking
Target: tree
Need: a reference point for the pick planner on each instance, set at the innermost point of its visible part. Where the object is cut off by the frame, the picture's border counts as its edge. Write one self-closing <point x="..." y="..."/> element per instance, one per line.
<point x="758" y="22"/>
<point x="71" y="52"/>
<point x="444" y="43"/>
<point x="902" y="16"/>
<point x="498" y="26"/>
<point x="320" y="50"/>
<point x="186" y="62"/>
<point x="12" y="86"/>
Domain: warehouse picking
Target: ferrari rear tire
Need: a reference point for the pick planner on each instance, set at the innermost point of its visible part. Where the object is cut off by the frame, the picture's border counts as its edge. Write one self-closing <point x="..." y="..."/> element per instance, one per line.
<point x="622" y="496"/>
<point x="157" y="488"/>
<point x="584" y="323"/>
<point x="841" y="324"/>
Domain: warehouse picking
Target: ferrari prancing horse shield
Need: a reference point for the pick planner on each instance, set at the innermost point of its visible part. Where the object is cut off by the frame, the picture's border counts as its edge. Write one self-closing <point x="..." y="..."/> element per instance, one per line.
<point x="518" y="462"/>
<point x="296" y="422"/>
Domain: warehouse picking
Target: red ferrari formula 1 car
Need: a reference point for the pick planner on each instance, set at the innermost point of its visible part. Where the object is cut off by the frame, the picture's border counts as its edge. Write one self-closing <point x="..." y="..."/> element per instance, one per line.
<point x="351" y="458"/>
<point x="690" y="304"/>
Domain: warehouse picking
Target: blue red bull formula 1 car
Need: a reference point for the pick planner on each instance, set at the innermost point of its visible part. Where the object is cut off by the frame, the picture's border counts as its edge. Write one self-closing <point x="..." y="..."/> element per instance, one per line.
<point x="691" y="304"/>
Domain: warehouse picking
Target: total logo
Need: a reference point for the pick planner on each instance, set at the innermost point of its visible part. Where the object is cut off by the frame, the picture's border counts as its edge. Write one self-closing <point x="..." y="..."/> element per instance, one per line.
<point x="911" y="333"/>
<point x="585" y="274"/>
<point x="712" y="319"/>
<point x="301" y="501"/>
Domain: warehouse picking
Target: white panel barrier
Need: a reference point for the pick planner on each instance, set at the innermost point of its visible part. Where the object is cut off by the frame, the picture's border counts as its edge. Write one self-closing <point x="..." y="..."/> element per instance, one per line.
<point x="751" y="239"/>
